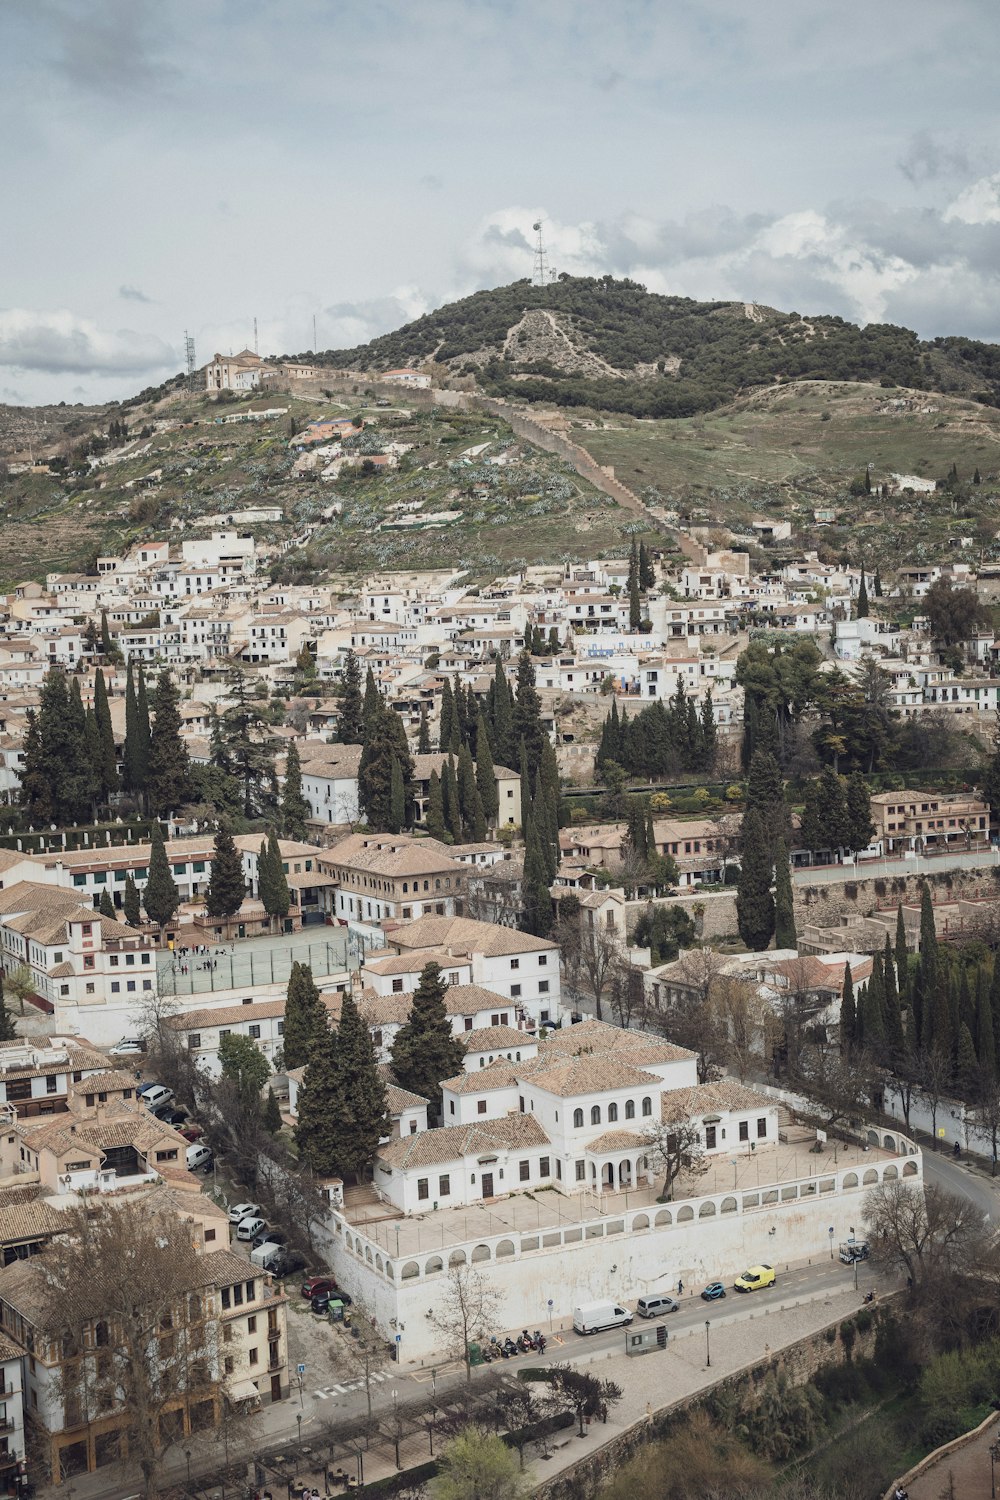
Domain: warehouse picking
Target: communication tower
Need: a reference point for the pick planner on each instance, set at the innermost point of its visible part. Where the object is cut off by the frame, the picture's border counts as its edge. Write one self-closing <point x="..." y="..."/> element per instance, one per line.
<point x="255" y="348"/>
<point x="189" y="352"/>
<point x="541" y="272"/>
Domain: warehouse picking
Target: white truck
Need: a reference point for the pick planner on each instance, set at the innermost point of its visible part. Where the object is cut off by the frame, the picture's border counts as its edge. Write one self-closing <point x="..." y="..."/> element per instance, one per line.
<point x="594" y="1317"/>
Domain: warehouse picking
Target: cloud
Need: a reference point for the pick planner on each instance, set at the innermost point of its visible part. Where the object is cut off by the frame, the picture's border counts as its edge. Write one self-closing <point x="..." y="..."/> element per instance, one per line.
<point x="59" y="342"/>
<point x="977" y="204"/>
<point x="927" y="158"/>
<point x="111" y="48"/>
<point x="345" y="324"/>
<point x="432" y="182"/>
<point x="133" y="294"/>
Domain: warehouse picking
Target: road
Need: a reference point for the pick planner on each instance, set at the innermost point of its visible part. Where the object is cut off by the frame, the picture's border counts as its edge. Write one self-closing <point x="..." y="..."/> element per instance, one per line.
<point x="953" y="1176"/>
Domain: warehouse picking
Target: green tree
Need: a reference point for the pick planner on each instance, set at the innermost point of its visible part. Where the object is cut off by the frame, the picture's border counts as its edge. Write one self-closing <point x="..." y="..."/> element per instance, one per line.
<point x="785" y="935"/>
<point x="526" y="718"/>
<point x="245" y="747"/>
<point x="272" y="883"/>
<point x="226" y="886"/>
<point x="434" y="816"/>
<point x="397" y="798"/>
<point x="450" y="802"/>
<point x="425" y="1051"/>
<point x="271" y="1114"/>
<point x="320" y="1104"/>
<point x="161" y="897"/>
<point x="536" y="897"/>
<point x="372" y="704"/>
<point x="424" y="734"/>
<point x="385" y="747"/>
<point x="294" y="807"/>
<point x="106" y="906"/>
<point x="478" y="1463"/>
<point x="486" y="775"/>
<point x="350" y="722"/>
<point x="902" y="957"/>
<point x="8" y="1030"/>
<point x="502" y="741"/>
<point x="135" y="765"/>
<point x="108" y="648"/>
<point x="862" y="597"/>
<point x="130" y="902"/>
<point x="634" y="604"/>
<point x="754" y="902"/>
<point x="107" y="763"/>
<point x="169" y="778"/>
<point x="36" y="794"/>
<point x="848" y="1014"/>
<point x="305" y="1016"/>
<point x="243" y="1062"/>
<point x="858" y="808"/>
<point x="64" y="758"/>
<point x="360" y="1117"/>
<point x="446" y="728"/>
<point x="954" y="613"/>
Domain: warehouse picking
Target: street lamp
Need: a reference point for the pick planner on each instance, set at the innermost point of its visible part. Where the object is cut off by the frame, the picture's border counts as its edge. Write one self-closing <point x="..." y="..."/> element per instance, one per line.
<point x="831" y="1242"/>
<point x="708" y="1346"/>
<point x="994" y="1455"/>
<point x="187" y="1455"/>
<point x="298" y="1418"/>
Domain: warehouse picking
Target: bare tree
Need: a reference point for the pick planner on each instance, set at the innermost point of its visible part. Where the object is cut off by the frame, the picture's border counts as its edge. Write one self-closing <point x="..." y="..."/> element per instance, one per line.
<point x="124" y="1301"/>
<point x="749" y="1021"/>
<point x="466" y="1310"/>
<point x="842" y="1088"/>
<point x="494" y="895"/>
<point x="598" y="950"/>
<point x="627" y="993"/>
<point x="365" y="1346"/>
<point x="677" y="1145"/>
<point x="931" y="1235"/>
<point x="934" y="1076"/>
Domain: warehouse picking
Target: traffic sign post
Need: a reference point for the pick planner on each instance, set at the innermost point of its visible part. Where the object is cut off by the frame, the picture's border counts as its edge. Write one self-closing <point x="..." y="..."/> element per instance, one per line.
<point x="551" y="1305"/>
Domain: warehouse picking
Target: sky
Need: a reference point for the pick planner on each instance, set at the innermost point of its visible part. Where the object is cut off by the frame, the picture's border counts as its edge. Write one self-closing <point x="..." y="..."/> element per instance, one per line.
<point x="197" y="164"/>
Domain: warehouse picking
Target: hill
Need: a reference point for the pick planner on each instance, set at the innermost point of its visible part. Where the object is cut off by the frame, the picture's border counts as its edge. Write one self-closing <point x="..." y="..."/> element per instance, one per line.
<point x="613" y="346"/>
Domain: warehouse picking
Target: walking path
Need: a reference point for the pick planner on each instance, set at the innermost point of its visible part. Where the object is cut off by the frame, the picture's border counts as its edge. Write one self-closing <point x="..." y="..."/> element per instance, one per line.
<point x="968" y="1466"/>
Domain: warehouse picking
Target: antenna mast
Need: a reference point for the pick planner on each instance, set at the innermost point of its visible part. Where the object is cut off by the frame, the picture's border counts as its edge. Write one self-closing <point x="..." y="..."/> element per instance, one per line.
<point x="255" y="348"/>
<point x="189" y="352"/>
<point x="540" y="276"/>
<point x="314" y="333"/>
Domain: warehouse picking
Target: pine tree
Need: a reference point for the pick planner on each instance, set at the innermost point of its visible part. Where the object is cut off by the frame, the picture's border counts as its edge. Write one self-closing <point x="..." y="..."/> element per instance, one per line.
<point x="350" y="722"/>
<point x="425" y="1052"/>
<point x="272" y="883"/>
<point x="169" y="764"/>
<point x="424" y="736"/>
<point x="161" y="897"/>
<point x="486" y="774"/>
<point x="862" y="597"/>
<point x="848" y="1014"/>
<point x="785" y="935"/>
<point x="305" y="1017"/>
<point x="106" y="906"/>
<point x="271" y="1114"/>
<point x="294" y="807"/>
<point x="130" y="902"/>
<point x="107" y="767"/>
<point x="226" y="886"/>
<point x="434" y="816"/>
<point x="754" y="902"/>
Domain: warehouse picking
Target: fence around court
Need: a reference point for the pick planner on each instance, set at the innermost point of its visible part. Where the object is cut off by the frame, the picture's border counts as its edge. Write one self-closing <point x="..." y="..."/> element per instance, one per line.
<point x="209" y="972"/>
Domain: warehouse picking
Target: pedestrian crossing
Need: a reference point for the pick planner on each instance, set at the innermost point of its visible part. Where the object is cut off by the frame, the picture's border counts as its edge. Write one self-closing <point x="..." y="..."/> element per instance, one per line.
<point x="350" y="1385"/>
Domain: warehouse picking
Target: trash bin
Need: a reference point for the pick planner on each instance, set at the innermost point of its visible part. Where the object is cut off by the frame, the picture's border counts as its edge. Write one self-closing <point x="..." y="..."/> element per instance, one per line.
<point x="335" y="1310"/>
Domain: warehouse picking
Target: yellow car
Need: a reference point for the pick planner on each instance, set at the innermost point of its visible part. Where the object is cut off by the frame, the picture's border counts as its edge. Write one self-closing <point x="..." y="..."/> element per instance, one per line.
<point x="754" y="1279"/>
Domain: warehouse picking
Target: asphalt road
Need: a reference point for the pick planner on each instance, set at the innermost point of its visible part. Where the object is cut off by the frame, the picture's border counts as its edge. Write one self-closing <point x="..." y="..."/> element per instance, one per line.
<point x="943" y="1171"/>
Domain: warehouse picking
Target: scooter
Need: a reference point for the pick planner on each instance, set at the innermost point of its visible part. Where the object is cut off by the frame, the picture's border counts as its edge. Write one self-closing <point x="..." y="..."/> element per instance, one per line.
<point x="487" y="1353"/>
<point x="525" y="1343"/>
<point x="509" y="1347"/>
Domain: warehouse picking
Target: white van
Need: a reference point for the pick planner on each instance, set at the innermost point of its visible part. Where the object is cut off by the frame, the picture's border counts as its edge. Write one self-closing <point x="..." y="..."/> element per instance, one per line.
<point x="594" y="1317"/>
<point x="197" y="1156"/>
<point x="159" y="1094"/>
<point x="267" y="1255"/>
<point x="248" y="1229"/>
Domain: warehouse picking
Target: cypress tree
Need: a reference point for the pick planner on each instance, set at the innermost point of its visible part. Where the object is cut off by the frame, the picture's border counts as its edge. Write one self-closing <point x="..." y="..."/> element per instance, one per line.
<point x="785" y="935"/>
<point x="985" y="1043"/>
<point x="894" y="1035"/>
<point x="858" y="807"/>
<point x="351" y="721"/>
<point x="872" y="1009"/>
<point x="902" y="957"/>
<point x="526" y="717"/>
<point x="363" y="1115"/>
<point x="486" y="774"/>
<point x="107" y="907"/>
<point x="425" y="1052"/>
<point x="161" y="897"/>
<point x="397" y="798"/>
<point x="709" y="734"/>
<point x="634" y="603"/>
<point x="133" y="768"/>
<point x="754" y="902"/>
<point x="467" y="792"/>
<point x="525" y="790"/>
<point x="928" y="972"/>
<point x="371" y="708"/>
<point x="320" y="1102"/>
<point x="274" y="893"/>
<point x="434" y="816"/>
<point x="36" y="789"/>
<point x="766" y="793"/>
<point x="385" y="747"/>
<point x="447" y="725"/>
<point x="452" y="806"/>
<point x="108" y="759"/>
<point x="967" y="1068"/>
<point x="848" y="1014"/>
<point x="169" y="764"/>
<point x="536" y="898"/>
<point x="130" y="902"/>
<point x="503" y="744"/>
<point x="142" y="723"/>
<point x="108" y="648"/>
<point x="271" y="1113"/>
<point x="424" y="736"/>
<point x="877" y="583"/>
<point x="226" y="886"/>
<point x="294" y="807"/>
<point x="94" y="754"/>
<point x="995" y="1008"/>
<point x="862" y="597"/>
<point x="305" y="1017"/>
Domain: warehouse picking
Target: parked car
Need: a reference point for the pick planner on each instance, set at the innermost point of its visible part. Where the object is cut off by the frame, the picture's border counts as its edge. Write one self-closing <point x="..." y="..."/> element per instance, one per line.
<point x="314" y="1285"/>
<point x="288" y="1262"/>
<point x="155" y="1095"/>
<point x="198" y="1158"/>
<point x="271" y="1237"/>
<point x="129" y="1046"/>
<point x="248" y="1228"/>
<point x="170" y="1114"/>
<point x="144" y="1089"/>
<point x="755" y="1279"/>
<point x="713" y="1292"/>
<point x="243" y="1211"/>
<point x="191" y="1131"/>
<point x="853" y="1250"/>
<point x="655" y="1307"/>
<point x="321" y="1302"/>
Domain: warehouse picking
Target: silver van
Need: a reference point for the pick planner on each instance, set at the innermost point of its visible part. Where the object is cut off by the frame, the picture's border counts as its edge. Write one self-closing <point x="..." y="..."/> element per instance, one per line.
<point x="656" y="1307"/>
<point x="197" y="1156"/>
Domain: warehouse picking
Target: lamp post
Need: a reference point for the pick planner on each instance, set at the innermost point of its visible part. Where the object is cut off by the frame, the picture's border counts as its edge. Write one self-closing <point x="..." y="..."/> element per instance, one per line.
<point x="831" y="1241"/>
<point x="187" y="1455"/>
<point x="994" y="1455"/>
<point x="298" y="1418"/>
<point x="708" y="1346"/>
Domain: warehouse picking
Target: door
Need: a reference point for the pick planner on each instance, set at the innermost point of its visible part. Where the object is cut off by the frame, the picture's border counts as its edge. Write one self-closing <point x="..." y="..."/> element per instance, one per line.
<point x="275" y="1387"/>
<point x="487" y="1184"/>
<point x="710" y="1137"/>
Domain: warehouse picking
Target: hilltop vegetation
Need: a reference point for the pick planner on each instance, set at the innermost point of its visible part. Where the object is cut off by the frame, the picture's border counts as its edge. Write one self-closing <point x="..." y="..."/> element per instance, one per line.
<point x="611" y="345"/>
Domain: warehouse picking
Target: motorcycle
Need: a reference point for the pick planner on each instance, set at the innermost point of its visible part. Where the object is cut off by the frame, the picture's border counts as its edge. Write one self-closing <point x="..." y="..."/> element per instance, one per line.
<point x="525" y="1342"/>
<point x="510" y="1348"/>
<point x="487" y="1353"/>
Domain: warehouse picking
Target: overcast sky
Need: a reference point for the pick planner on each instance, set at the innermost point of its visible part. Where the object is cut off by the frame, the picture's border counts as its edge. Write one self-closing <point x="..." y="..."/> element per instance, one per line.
<point x="199" y="163"/>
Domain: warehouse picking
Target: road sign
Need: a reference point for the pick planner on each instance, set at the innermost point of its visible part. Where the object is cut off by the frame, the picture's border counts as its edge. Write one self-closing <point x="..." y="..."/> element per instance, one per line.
<point x="551" y="1302"/>
<point x="399" y="1338"/>
<point x="302" y="1369"/>
<point x="940" y="1132"/>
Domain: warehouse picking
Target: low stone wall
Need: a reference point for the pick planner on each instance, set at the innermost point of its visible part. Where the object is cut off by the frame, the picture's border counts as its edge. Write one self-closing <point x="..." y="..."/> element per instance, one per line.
<point x="824" y="904"/>
<point x="797" y="1363"/>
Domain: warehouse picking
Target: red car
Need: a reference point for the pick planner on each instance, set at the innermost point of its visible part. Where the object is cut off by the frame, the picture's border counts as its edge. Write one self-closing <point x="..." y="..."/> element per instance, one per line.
<point x="317" y="1285"/>
<point x="191" y="1132"/>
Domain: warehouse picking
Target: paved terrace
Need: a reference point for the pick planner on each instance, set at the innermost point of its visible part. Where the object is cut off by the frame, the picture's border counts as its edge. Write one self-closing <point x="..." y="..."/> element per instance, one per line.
<point x="767" y="1169"/>
<point x="244" y="962"/>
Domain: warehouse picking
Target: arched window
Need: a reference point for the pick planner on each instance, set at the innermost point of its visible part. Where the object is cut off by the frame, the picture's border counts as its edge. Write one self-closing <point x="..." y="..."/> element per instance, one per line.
<point x="647" y="1106"/>
<point x="595" y="1115"/>
<point x="612" y="1112"/>
<point x="577" y="1118"/>
<point x="630" y="1109"/>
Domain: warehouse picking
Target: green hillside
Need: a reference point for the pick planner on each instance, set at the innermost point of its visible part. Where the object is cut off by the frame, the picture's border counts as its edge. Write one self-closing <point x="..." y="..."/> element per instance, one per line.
<point x="611" y="345"/>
